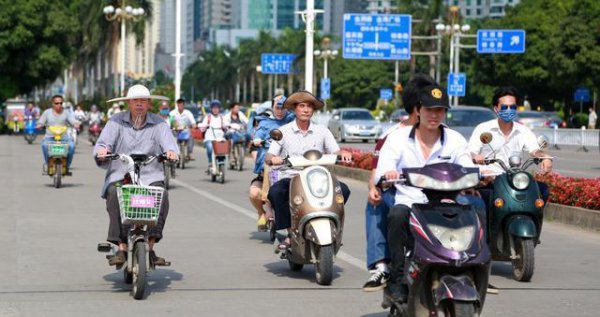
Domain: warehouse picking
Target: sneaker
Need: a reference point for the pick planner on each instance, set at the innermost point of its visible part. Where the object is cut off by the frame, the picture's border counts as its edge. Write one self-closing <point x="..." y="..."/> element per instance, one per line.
<point x="377" y="281"/>
<point x="118" y="259"/>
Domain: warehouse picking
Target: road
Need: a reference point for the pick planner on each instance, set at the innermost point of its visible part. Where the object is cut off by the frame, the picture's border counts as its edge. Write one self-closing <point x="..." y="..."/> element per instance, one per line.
<point x="221" y="266"/>
<point x="568" y="160"/>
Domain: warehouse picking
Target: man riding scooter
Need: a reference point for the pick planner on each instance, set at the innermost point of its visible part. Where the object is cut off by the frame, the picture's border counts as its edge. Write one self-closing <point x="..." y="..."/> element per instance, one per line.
<point x="183" y="119"/>
<point x="57" y="116"/>
<point x="427" y="142"/>
<point x="299" y="136"/>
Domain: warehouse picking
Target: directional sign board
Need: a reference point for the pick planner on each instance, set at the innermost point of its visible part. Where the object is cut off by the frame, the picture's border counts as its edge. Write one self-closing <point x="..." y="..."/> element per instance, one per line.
<point x="276" y="63"/>
<point x="457" y="84"/>
<point x="385" y="94"/>
<point x="376" y="36"/>
<point x="501" y="41"/>
<point x="325" y="88"/>
<point x="582" y="95"/>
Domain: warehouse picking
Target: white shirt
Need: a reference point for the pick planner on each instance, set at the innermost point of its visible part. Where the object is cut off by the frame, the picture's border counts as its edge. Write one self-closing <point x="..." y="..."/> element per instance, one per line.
<point x="294" y="143"/>
<point x="519" y="139"/>
<point x="592" y="118"/>
<point x="184" y="119"/>
<point x="214" y="130"/>
<point x="402" y="150"/>
<point x="242" y="117"/>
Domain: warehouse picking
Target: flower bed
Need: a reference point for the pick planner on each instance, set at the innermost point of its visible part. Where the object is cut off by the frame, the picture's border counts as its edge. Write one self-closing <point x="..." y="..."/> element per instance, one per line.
<point x="570" y="191"/>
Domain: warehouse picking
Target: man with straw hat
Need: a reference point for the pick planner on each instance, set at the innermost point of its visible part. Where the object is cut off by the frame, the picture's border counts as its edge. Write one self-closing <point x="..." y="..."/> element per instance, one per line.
<point x="299" y="136"/>
<point x="141" y="132"/>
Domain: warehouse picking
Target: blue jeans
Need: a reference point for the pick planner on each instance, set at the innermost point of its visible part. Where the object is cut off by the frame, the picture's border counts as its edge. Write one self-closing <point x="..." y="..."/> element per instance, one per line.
<point x="70" y="154"/>
<point x="209" y="150"/>
<point x="235" y="136"/>
<point x="376" y="228"/>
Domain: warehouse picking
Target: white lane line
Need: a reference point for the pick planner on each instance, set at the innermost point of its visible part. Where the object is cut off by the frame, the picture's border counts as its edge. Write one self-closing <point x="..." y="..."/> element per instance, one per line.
<point x="356" y="262"/>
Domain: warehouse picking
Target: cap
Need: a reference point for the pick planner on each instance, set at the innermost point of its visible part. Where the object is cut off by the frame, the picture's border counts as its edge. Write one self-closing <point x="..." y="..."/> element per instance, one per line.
<point x="433" y="96"/>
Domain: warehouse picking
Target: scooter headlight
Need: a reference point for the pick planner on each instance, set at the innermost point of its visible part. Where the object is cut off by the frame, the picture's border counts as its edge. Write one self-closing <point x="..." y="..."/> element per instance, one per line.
<point x="318" y="183"/>
<point x="520" y="181"/>
<point x="454" y="239"/>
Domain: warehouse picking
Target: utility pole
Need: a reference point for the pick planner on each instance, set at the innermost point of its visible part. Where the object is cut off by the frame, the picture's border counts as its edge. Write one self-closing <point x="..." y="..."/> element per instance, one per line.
<point x="308" y="16"/>
<point x="177" y="49"/>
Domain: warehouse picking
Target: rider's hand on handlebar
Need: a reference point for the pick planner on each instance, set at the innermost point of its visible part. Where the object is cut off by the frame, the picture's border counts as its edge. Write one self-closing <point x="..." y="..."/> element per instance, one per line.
<point x="479" y="159"/>
<point x="101" y="153"/>
<point x="276" y="160"/>
<point x="172" y="156"/>
<point x="391" y="175"/>
<point x="546" y="166"/>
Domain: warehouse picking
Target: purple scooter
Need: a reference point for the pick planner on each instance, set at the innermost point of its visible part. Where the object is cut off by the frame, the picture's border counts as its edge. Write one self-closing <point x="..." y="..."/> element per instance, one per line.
<point x="447" y="268"/>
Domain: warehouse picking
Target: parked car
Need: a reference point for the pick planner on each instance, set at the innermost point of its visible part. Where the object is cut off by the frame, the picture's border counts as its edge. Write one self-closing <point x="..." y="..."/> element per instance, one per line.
<point x="399" y="115"/>
<point x="354" y="124"/>
<point x="532" y="119"/>
<point x="464" y="119"/>
<point x="553" y="120"/>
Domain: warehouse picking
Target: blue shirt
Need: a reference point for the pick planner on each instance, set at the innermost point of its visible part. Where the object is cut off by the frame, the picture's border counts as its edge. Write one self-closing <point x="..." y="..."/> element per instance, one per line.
<point x="120" y="137"/>
<point x="262" y="132"/>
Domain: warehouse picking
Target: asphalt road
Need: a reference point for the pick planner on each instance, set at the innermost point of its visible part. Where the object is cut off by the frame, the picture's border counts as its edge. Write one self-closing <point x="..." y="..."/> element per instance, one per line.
<point x="221" y="266"/>
<point x="568" y="160"/>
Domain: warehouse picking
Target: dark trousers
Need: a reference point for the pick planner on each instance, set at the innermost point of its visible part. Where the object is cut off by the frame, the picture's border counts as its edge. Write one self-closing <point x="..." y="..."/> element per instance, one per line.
<point x="117" y="232"/>
<point x="399" y="239"/>
<point x="279" y="196"/>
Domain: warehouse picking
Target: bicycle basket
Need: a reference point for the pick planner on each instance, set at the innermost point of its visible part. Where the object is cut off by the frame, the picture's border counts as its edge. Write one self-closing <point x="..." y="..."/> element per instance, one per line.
<point x="221" y="147"/>
<point x="139" y="204"/>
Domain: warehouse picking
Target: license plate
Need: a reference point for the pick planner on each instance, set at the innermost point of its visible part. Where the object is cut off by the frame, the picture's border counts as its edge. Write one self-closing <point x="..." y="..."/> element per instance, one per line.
<point x="57" y="150"/>
<point x="142" y="201"/>
<point x="365" y="133"/>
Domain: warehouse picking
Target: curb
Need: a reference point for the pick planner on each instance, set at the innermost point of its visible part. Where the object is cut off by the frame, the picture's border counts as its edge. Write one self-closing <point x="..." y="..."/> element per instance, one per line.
<point x="583" y="218"/>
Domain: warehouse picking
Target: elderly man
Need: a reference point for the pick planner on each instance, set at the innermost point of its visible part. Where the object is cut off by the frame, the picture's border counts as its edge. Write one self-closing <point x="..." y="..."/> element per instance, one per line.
<point x="299" y="136"/>
<point x="134" y="132"/>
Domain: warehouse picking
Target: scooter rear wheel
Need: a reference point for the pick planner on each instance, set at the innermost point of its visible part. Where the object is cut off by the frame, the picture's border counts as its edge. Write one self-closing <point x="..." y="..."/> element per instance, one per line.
<point x="296" y="267"/>
<point x="57" y="175"/>
<point x="139" y="270"/>
<point x="324" y="265"/>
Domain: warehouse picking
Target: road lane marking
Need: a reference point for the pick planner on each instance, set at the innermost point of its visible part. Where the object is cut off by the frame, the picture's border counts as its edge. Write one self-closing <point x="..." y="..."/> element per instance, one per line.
<point x="356" y="262"/>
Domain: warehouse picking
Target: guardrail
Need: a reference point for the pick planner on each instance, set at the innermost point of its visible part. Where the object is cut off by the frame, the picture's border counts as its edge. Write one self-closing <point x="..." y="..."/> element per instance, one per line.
<point x="583" y="137"/>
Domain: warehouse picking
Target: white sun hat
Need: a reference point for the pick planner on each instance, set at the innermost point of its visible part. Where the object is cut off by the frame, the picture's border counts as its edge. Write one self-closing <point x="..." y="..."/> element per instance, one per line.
<point x="138" y="92"/>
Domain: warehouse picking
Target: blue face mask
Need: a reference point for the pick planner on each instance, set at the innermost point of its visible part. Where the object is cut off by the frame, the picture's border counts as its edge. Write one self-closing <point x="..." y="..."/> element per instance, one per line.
<point x="507" y="115"/>
<point x="164" y="112"/>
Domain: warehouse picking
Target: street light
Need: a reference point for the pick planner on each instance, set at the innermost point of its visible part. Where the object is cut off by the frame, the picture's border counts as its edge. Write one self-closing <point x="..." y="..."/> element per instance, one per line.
<point x="111" y="14"/>
<point x="456" y="32"/>
<point x="325" y="55"/>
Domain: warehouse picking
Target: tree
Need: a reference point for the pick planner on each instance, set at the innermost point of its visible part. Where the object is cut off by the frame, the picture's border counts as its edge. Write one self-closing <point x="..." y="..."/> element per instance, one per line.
<point x="36" y="43"/>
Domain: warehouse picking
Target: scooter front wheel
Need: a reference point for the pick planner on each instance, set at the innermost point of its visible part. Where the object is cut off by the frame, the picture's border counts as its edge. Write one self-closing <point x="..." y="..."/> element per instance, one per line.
<point x="523" y="265"/>
<point x="139" y="270"/>
<point x="461" y="309"/>
<point x="324" y="265"/>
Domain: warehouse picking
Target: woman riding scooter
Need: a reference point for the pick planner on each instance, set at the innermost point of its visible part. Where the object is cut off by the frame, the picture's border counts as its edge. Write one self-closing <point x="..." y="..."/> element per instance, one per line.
<point x="213" y="125"/>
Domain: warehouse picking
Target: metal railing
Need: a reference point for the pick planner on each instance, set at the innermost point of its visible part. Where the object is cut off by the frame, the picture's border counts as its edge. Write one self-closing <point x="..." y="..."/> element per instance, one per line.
<point x="583" y="137"/>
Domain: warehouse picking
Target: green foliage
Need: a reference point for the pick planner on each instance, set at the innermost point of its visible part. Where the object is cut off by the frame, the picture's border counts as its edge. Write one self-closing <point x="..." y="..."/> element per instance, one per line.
<point x="36" y="43"/>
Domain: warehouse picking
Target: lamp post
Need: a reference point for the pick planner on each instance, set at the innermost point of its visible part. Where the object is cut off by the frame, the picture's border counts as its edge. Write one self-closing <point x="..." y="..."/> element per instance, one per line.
<point x="455" y="31"/>
<point x="326" y="54"/>
<point x="111" y="13"/>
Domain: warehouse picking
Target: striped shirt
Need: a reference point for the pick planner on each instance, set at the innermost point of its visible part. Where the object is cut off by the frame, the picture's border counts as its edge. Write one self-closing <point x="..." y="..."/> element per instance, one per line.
<point x="120" y="137"/>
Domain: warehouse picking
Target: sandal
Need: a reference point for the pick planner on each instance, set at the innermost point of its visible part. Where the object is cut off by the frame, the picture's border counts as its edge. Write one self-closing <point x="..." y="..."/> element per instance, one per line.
<point x="118" y="259"/>
<point x="262" y="223"/>
<point x="284" y="245"/>
<point x="156" y="260"/>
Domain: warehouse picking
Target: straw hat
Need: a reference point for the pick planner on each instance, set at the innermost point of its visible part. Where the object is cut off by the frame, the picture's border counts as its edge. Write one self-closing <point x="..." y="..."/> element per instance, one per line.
<point x="138" y="92"/>
<point x="302" y="96"/>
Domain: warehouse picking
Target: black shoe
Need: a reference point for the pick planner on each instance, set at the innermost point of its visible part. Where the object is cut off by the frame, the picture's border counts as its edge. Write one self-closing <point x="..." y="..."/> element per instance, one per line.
<point x="377" y="281"/>
<point x="157" y="261"/>
<point x="118" y="259"/>
<point x="395" y="292"/>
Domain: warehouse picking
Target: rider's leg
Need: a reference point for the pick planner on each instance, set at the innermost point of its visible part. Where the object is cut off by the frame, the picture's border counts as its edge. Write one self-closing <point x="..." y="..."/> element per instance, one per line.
<point x="117" y="233"/>
<point x="544" y="191"/>
<point x="377" y="252"/>
<point x="155" y="233"/>
<point x="190" y="148"/>
<point x="280" y="200"/>
<point x="71" y="153"/>
<point x="209" y="150"/>
<point x="45" y="149"/>
<point x="398" y="239"/>
<point x="255" y="195"/>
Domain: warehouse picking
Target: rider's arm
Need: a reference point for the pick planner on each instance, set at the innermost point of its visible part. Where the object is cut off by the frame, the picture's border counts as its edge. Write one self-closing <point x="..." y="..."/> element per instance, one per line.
<point x="42" y="120"/>
<point x="390" y="155"/>
<point x="71" y="119"/>
<point x="191" y="118"/>
<point x="106" y="140"/>
<point x="165" y="139"/>
<point x="329" y="142"/>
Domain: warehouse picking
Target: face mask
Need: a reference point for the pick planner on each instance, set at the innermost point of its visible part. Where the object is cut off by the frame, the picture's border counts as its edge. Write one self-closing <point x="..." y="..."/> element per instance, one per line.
<point x="507" y="115"/>
<point x="164" y="112"/>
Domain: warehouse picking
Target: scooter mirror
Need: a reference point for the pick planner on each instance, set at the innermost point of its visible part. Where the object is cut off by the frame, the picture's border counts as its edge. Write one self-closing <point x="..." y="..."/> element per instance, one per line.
<point x="313" y="155"/>
<point x="276" y="134"/>
<point x="542" y="141"/>
<point x="486" y="137"/>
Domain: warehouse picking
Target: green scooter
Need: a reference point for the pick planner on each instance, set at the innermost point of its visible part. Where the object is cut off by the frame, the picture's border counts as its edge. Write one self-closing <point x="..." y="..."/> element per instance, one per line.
<point x="515" y="213"/>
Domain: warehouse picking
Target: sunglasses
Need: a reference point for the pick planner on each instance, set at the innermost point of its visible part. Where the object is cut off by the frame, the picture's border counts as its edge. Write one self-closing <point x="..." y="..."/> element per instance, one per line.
<point x="58" y="103"/>
<point x="512" y="107"/>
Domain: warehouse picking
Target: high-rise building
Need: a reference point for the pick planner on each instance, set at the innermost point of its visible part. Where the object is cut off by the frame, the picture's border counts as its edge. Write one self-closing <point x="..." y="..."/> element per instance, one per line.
<point x="139" y="58"/>
<point x="190" y="29"/>
<point x="477" y="9"/>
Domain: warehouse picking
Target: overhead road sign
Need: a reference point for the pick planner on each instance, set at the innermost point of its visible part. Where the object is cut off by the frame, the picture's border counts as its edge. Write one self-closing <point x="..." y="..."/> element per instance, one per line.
<point x="501" y="41"/>
<point x="582" y="95"/>
<point x="376" y="36"/>
<point x="457" y="84"/>
<point x="276" y="63"/>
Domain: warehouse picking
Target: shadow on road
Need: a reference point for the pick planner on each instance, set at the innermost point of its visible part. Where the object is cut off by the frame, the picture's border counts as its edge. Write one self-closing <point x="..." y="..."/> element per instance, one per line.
<point x="261" y="236"/>
<point x="281" y="268"/>
<point x="64" y="185"/>
<point x="503" y="269"/>
<point x="159" y="280"/>
<point x="381" y="314"/>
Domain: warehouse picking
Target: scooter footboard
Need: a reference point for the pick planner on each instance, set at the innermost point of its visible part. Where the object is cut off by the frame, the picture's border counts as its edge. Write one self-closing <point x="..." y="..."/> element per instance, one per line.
<point x="459" y="288"/>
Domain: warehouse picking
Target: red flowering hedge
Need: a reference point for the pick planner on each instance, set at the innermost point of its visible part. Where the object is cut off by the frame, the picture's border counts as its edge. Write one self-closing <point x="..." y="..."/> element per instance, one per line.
<point x="570" y="191"/>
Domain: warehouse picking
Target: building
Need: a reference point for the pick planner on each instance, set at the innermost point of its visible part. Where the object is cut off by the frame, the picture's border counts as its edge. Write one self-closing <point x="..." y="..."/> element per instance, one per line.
<point x="478" y="9"/>
<point x="139" y="58"/>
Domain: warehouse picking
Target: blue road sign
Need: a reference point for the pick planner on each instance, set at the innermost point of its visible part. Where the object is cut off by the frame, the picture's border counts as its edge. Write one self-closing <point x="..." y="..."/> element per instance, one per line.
<point x="457" y="84"/>
<point x="376" y="36"/>
<point x="385" y="93"/>
<point x="276" y="63"/>
<point x="325" y="88"/>
<point x="582" y="95"/>
<point x="501" y="41"/>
